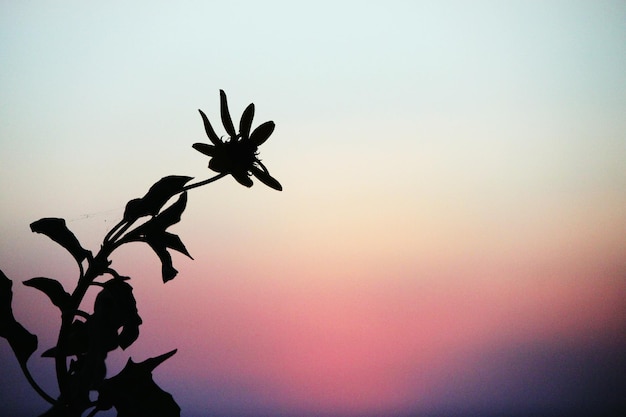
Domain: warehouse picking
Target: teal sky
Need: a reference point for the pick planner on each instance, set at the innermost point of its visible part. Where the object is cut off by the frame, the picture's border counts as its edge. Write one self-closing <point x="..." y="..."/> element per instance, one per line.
<point x="454" y="188"/>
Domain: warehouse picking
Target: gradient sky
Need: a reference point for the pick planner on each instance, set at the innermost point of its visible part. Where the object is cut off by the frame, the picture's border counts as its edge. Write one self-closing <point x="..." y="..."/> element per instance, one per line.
<point x="451" y="234"/>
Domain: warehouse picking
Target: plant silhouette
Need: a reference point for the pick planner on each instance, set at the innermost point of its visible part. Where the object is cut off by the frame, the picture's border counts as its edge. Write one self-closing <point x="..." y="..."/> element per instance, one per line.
<point x="84" y="340"/>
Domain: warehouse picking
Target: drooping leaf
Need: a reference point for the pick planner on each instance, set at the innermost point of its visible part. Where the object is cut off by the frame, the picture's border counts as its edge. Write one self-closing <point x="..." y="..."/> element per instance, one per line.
<point x="173" y="241"/>
<point x="266" y="178"/>
<point x="160" y="242"/>
<point x="262" y="133"/>
<point x="227" y="121"/>
<point x="168" y="272"/>
<point x="115" y="307"/>
<point x="56" y="230"/>
<point x="134" y="393"/>
<point x="153" y="232"/>
<point x="215" y="140"/>
<point x="156" y="197"/>
<point x="53" y="289"/>
<point x="21" y="340"/>
<point x="246" y="121"/>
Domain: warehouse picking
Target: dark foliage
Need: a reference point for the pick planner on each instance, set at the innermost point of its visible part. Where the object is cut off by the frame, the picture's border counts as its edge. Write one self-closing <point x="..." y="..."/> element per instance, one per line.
<point x="85" y="339"/>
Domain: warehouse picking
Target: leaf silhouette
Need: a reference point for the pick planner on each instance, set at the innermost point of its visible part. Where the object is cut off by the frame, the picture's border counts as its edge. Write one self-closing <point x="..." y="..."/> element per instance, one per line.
<point x="160" y="242"/>
<point x="163" y="220"/>
<point x="53" y="289"/>
<point x="21" y="340"/>
<point x="156" y="197"/>
<point x="115" y="307"/>
<point x="56" y="230"/>
<point x="134" y="393"/>
<point x="153" y="232"/>
<point x="173" y="241"/>
<point x="77" y="344"/>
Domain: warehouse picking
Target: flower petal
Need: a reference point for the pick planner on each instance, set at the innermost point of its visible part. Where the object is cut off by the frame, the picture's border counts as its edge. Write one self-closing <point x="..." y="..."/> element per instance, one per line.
<point x="209" y="129"/>
<point x="246" y="121"/>
<point x="262" y="132"/>
<point x="218" y="164"/>
<point x="266" y="178"/>
<point x="226" y="120"/>
<point x="242" y="178"/>
<point x="208" y="150"/>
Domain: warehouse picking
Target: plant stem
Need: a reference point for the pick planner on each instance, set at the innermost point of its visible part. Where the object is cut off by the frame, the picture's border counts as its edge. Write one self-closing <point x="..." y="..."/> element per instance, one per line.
<point x="121" y="231"/>
<point x="207" y="181"/>
<point x="118" y="230"/>
<point x="112" y="231"/>
<point x="35" y="386"/>
<point x="97" y="266"/>
<point x="93" y="412"/>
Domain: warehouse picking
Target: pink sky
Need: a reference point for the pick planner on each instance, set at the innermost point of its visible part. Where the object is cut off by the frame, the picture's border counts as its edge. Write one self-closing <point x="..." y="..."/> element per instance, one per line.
<point x="450" y="237"/>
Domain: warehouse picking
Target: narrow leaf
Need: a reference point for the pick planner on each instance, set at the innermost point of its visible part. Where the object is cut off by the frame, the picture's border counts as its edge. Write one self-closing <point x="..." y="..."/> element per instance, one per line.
<point x="173" y="241"/>
<point x="56" y="230"/>
<point x="160" y="242"/>
<point x="209" y="129"/>
<point x="23" y="343"/>
<point x="151" y="363"/>
<point x="262" y="132"/>
<point x="246" y="121"/>
<point x="168" y="272"/>
<point x="226" y="119"/>
<point x="53" y="289"/>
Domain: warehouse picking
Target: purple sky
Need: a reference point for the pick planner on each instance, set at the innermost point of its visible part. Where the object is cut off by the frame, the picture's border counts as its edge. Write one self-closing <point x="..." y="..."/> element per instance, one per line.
<point x="450" y="238"/>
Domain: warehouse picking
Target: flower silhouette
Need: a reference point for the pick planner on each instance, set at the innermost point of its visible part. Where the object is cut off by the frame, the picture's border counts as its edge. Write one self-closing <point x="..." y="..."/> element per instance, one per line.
<point x="237" y="155"/>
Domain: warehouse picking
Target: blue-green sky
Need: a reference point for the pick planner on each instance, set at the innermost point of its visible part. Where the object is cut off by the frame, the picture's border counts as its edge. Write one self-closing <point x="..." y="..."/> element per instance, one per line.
<point x="451" y="232"/>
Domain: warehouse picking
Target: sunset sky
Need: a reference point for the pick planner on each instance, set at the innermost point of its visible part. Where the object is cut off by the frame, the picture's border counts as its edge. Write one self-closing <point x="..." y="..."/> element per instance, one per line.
<point x="451" y="237"/>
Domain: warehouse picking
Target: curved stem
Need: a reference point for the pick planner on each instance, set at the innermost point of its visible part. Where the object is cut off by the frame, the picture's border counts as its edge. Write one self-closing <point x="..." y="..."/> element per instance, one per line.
<point x="81" y="271"/>
<point x="93" y="412"/>
<point x="97" y="266"/>
<point x="121" y="231"/>
<point x="113" y="230"/>
<point x="82" y="314"/>
<point x="36" y="386"/>
<point x="207" y="181"/>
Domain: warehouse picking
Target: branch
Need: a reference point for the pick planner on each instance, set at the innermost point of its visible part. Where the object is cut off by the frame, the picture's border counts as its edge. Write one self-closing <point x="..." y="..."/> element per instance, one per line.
<point x="207" y="181"/>
<point x="34" y="384"/>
